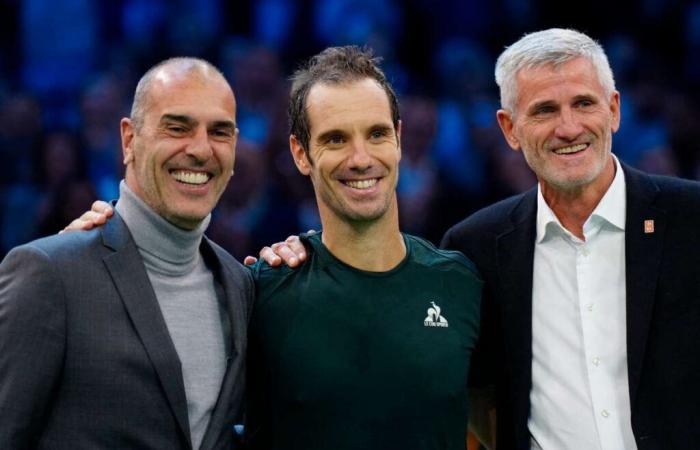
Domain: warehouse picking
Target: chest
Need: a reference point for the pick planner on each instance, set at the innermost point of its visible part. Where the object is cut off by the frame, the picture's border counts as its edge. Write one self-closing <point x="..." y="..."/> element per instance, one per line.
<point x="369" y="338"/>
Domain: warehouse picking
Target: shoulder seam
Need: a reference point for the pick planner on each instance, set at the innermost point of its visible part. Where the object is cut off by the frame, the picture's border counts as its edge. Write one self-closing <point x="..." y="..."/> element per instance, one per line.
<point x="453" y="255"/>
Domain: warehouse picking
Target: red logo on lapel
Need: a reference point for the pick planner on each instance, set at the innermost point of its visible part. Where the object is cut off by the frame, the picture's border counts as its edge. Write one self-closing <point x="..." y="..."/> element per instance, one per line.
<point x="649" y="226"/>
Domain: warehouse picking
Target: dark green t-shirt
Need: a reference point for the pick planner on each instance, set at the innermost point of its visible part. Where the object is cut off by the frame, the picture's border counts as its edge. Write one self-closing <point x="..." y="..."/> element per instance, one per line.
<point x="342" y="358"/>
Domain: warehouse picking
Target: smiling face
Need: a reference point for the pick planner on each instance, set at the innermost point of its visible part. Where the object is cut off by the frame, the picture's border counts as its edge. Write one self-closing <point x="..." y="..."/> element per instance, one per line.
<point x="181" y="158"/>
<point x="564" y="123"/>
<point x="354" y="151"/>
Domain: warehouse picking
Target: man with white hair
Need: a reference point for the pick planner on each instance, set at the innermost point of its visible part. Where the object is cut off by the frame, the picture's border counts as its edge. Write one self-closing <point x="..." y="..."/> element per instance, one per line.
<point x="591" y="316"/>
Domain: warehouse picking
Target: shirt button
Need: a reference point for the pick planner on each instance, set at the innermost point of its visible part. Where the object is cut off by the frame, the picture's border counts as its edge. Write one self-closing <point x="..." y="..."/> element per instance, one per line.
<point x="589" y="306"/>
<point x="605" y="413"/>
<point x="584" y="251"/>
<point x="596" y="361"/>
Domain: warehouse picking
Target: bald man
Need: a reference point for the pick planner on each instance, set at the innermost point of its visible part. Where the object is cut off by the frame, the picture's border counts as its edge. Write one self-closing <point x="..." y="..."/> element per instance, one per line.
<point x="133" y="335"/>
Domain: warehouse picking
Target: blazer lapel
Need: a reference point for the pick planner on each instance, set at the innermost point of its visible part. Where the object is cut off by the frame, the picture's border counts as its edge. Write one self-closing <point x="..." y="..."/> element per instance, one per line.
<point x="234" y="292"/>
<point x="516" y="247"/>
<point x="129" y="275"/>
<point x="643" y="248"/>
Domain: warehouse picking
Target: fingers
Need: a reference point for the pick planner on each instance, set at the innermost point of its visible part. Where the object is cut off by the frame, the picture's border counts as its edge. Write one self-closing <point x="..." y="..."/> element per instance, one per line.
<point x="290" y="252"/>
<point x="88" y="220"/>
<point x="297" y="247"/>
<point x="96" y="218"/>
<point x="284" y="251"/>
<point x="250" y="260"/>
<point x="102" y="207"/>
<point x="270" y="256"/>
<point x="78" y="225"/>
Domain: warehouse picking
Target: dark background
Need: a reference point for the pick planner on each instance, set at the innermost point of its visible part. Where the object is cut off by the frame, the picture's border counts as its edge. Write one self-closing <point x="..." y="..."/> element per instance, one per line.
<point x="68" y="70"/>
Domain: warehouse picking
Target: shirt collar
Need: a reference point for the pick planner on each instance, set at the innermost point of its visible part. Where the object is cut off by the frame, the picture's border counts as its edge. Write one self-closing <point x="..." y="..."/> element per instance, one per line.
<point x="610" y="209"/>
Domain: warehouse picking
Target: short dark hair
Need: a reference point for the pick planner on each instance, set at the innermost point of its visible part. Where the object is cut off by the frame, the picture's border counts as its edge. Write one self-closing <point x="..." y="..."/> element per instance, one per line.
<point x="334" y="65"/>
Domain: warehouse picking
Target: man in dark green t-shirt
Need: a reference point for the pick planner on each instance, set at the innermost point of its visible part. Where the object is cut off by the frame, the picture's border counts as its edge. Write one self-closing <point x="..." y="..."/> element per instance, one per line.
<point x="367" y="345"/>
<point x="343" y="358"/>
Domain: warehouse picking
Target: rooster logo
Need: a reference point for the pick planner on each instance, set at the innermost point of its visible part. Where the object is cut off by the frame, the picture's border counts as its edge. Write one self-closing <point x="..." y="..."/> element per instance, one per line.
<point x="435" y="318"/>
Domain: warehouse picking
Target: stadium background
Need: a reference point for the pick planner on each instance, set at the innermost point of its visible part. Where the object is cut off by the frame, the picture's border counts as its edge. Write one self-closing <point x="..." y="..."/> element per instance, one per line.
<point x="68" y="70"/>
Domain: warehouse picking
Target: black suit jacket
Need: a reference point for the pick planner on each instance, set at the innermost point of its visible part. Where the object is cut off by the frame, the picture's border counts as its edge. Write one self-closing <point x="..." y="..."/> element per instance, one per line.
<point x="663" y="308"/>
<point x="86" y="360"/>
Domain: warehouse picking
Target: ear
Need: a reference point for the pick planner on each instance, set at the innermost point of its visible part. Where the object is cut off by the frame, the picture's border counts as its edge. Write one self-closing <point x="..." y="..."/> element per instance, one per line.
<point x="233" y="148"/>
<point x="615" y="111"/>
<point x="127" y="131"/>
<point x="398" y="138"/>
<point x="300" y="157"/>
<point x="505" y="121"/>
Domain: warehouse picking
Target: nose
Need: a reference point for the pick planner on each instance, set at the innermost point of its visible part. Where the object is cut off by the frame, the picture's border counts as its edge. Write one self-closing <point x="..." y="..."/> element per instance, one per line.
<point x="569" y="127"/>
<point x="200" y="147"/>
<point x="359" y="159"/>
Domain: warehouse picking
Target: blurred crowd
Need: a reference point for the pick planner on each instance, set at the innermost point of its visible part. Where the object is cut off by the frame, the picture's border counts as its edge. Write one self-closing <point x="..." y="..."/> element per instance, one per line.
<point x="68" y="69"/>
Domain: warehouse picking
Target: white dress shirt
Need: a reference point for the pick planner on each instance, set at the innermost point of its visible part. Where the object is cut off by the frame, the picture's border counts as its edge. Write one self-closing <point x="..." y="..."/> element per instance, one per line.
<point x="580" y="395"/>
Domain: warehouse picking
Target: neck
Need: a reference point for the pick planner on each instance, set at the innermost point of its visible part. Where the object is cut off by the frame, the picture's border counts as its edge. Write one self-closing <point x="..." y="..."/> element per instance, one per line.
<point x="160" y="243"/>
<point x="375" y="246"/>
<point x="574" y="206"/>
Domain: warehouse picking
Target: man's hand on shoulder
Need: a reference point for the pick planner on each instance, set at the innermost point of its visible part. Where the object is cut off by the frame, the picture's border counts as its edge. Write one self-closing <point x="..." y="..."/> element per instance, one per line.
<point x="99" y="215"/>
<point x="290" y="252"/>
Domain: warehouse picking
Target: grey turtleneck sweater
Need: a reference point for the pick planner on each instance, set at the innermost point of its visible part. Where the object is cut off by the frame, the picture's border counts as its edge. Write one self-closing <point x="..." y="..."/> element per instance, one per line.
<point x="189" y="300"/>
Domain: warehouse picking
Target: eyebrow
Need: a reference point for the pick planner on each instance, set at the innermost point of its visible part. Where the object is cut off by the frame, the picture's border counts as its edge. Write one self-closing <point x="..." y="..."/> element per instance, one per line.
<point x="381" y="127"/>
<point x="327" y="134"/>
<point x="191" y="122"/>
<point x="223" y="125"/>
<point x="590" y="97"/>
<point x="534" y="107"/>
<point x="179" y="118"/>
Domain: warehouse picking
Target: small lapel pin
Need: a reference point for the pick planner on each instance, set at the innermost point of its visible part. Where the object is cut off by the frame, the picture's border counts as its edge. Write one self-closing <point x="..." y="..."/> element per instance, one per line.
<point x="649" y="226"/>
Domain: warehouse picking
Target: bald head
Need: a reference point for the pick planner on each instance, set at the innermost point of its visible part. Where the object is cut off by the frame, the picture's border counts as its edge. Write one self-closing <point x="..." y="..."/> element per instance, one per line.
<point x="167" y="71"/>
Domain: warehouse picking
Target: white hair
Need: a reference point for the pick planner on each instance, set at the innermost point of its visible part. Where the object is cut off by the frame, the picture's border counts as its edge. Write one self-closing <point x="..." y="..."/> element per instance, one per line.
<point x="554" y="46"/>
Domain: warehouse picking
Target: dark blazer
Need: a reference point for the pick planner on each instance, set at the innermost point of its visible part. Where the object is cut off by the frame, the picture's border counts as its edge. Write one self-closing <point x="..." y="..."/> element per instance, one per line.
<point x="86" y="360"/>
<point x="663" y="308"/>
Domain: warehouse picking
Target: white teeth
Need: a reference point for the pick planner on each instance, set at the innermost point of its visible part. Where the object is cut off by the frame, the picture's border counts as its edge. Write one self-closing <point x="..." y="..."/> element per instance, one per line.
<point x="570" y="149"/>
<point x="362" y="184"/>
<point x="190" y="177"/>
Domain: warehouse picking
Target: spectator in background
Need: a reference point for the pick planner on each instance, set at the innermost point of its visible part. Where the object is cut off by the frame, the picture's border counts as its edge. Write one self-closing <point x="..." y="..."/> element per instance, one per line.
<point x="460" y="66"/>
<point x="255" y="71"/>
<point x="101" y="106"/>
<point x="20" y="138"/>
<point x="60" y="43"/>
<point x="63" y="184"/>
<point x="20" y="144"/>
<point x="416" y="188"/>
<point x="241" y="207"/>
<point x="67" y="200"/>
